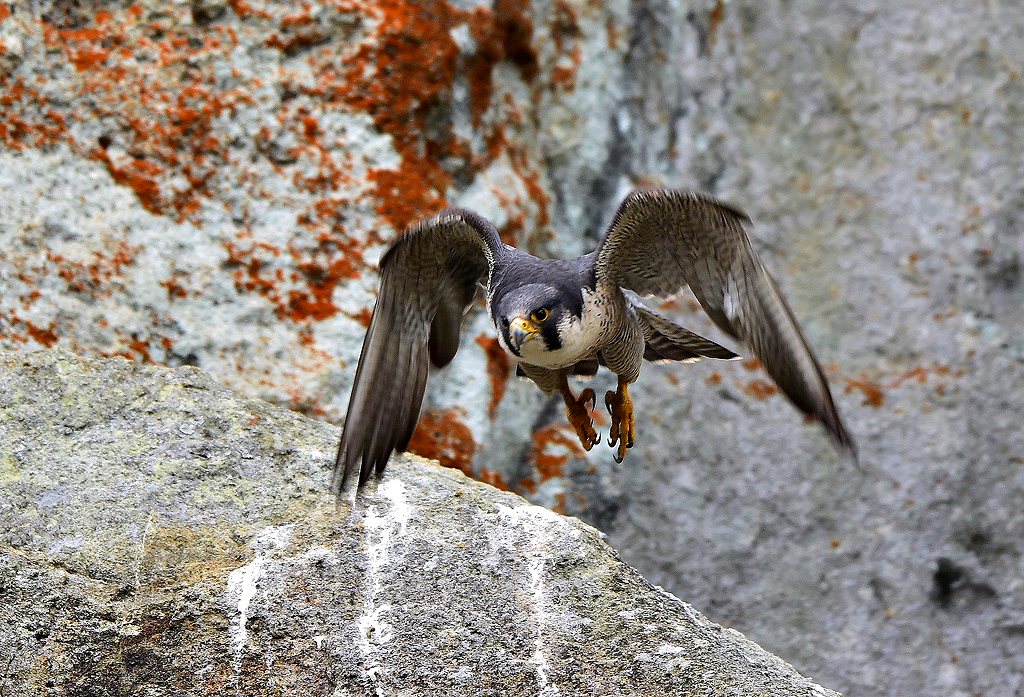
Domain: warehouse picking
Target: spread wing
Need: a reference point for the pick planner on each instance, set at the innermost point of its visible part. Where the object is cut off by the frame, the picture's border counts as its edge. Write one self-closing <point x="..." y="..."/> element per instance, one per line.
<point x="428" y="280"/>
<point x="663" y="240"/>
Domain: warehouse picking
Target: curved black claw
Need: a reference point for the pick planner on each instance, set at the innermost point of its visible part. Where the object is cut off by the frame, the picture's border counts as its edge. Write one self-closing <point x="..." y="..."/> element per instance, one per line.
<point x="623" y="428"/>
<point x="613" y="432"/>
<point x="588" y="395"/>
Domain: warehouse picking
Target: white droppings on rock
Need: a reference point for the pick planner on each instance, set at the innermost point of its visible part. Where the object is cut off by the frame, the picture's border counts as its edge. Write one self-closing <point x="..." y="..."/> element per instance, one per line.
<point x="243" y="583"/>
<point x="538" y="537"/>
<point x="400" y="509"/>
<point x="381" y="530"/>
<point x="540" y="660"/>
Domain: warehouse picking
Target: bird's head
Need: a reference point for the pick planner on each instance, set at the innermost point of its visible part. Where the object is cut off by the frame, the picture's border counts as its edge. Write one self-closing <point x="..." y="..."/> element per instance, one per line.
<point x="529" y="319"/>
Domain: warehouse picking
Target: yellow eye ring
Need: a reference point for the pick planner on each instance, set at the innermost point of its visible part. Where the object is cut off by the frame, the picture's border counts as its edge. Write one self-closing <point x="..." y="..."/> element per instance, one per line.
<point x="540" y="315"/>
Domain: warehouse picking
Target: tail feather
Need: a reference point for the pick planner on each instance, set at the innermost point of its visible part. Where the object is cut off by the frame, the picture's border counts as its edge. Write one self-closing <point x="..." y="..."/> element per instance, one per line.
<point x="667" y="341"/>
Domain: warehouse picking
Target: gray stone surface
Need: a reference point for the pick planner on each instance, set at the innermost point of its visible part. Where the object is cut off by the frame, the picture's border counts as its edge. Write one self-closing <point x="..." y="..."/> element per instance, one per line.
<point x="208" y="183"/>
<point x="160" y="535"/>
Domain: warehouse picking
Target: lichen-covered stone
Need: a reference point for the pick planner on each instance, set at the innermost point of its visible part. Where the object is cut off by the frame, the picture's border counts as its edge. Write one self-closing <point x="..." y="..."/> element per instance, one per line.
<point x="163" y="536"/>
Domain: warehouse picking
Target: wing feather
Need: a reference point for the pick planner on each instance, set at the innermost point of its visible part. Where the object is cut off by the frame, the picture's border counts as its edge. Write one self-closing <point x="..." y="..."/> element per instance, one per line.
<point x="428" y="279"/>
<point x="662" y="240"/>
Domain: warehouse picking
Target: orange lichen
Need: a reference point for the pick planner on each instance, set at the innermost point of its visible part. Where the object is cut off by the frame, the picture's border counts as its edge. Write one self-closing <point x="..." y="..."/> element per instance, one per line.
<point x="564" y="76"/>
<point x="249" y="275"/>
<point x="565" y="24"/>
<point x="760" y="389"/>
<point x="94" y="277"/>
<point x="873" y="394"/>
<point x="139" y="175"/>
<point x="515" y="32"/>
<point x="495" y="479"/>
<point x="565" y="444"/>
<point x="174" y="287"/>
<point x="300" y="31"/>
<point x="330" y="262"/>
<point x="528" y="484"/>
<point x="714" y="379"/>
<point x="404" y="76"/>
<point x="559" y="505"/>
<point x="165" y="100"/>
<point x="27" y="121"/>
<point x="363" y="317"/>
<point x="507" y="33"/>
<point x="533" y="188"/>
<point x="84" y="49"/>
<point x="141" y="347"/>
<point x="157" y="85"/>
<point x="442" y="435"/>
<point x="47" y="337"/>
<point x="399" y="79"/>
<point x="335" y="260"/>
<point x="498" y="370"/>
<point x="406" y="193"/>
<point x="918" y="374"/>
<point x="244" y="9"/>
<point x="714" y="20"/>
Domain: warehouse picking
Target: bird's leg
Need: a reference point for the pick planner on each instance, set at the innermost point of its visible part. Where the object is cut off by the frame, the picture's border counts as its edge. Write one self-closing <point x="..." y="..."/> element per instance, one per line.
<point x="577" y="412"/>
<point x="623" y="429"/>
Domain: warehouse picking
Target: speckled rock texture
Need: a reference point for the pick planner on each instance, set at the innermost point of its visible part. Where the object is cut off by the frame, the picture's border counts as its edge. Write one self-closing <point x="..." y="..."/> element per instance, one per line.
<point x="211" y="182"/>
<point x="164" y="536"/>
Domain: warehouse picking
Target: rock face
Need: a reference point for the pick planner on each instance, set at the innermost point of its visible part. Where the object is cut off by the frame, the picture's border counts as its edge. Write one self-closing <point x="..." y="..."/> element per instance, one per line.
<point x="211" y="183"/>
<point x="162" y="536"/>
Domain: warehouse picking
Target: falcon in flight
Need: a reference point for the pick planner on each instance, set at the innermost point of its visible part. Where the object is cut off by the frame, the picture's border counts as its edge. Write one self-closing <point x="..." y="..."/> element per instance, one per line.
<point x="561" y="317"/>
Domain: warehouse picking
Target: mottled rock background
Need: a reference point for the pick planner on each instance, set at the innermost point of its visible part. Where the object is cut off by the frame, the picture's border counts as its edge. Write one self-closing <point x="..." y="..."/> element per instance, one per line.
<point x="211" y="183"/>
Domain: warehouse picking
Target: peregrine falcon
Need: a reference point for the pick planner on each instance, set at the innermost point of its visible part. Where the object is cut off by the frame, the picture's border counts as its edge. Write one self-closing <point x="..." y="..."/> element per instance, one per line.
<point x="561" y="317"/>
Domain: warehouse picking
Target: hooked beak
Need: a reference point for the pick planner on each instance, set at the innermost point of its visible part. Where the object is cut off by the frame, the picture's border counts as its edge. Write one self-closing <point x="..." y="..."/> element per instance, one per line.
<point x="519" y="331"/>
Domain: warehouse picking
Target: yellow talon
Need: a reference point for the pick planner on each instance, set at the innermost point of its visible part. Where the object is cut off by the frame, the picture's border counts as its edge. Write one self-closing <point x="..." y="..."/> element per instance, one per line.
<point x="623" y="428"/>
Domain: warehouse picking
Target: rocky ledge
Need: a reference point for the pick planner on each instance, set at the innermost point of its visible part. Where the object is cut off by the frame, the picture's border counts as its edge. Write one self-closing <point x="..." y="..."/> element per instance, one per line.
<point x="161" y="535"/>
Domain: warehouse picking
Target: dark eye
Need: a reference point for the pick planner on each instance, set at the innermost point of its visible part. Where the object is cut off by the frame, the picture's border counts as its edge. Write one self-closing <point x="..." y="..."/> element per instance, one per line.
<point x="540" y="315"/>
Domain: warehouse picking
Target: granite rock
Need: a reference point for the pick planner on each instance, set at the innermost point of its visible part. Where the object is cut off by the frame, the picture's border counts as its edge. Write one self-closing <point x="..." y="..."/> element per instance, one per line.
<point x="160" y="535"/>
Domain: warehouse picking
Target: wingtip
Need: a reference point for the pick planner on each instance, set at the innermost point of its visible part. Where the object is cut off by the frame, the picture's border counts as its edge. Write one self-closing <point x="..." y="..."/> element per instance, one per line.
<point x="844" y="441"/>
<point x="339" y="477"/>
<point x="851" y="450"/>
